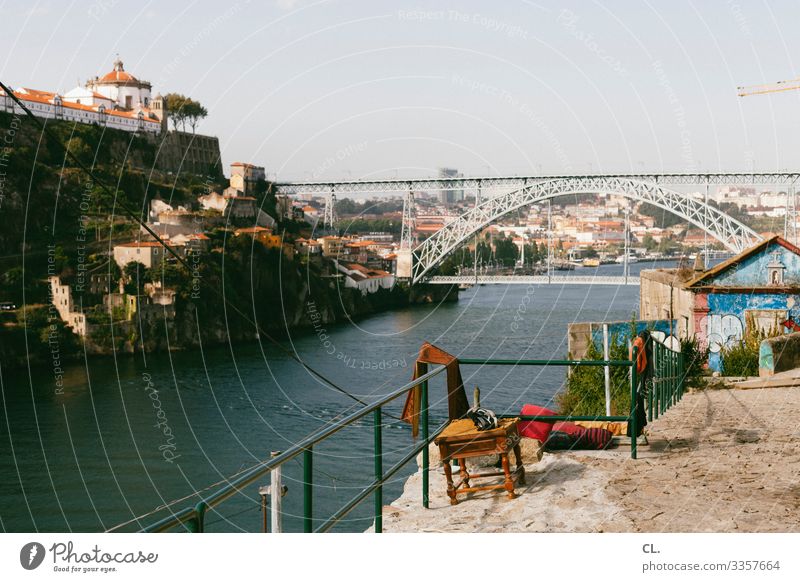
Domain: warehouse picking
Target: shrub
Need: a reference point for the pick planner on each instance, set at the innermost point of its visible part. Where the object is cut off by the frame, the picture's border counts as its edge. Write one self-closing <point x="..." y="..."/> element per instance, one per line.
<point x="695" y="357"/>
<point x="585" y="389"/>
<point x="741" y="359"/>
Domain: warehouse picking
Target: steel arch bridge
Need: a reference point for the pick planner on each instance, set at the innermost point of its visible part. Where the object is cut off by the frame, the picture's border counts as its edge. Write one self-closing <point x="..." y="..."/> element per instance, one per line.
<point x="734" y="235"/>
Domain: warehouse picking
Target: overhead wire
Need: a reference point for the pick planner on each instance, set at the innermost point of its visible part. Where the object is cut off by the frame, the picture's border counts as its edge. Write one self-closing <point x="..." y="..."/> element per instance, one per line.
<point x="135" y="217"/>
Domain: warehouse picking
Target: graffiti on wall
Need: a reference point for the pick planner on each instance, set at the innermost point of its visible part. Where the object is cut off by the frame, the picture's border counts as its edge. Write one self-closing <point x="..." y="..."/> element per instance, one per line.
<point x="721" y="330"/>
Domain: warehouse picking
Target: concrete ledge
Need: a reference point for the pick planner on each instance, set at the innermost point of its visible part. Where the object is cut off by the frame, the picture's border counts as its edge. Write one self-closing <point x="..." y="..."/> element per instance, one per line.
<point x="779" y="354"/>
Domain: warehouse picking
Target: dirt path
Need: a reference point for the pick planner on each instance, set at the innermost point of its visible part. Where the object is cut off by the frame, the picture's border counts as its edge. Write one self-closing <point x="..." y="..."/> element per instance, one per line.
<point x="720" y="461"/>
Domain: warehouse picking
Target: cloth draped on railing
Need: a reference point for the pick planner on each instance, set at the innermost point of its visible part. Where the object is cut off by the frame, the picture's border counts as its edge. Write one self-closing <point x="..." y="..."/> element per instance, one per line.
<point x="457" y="404"/>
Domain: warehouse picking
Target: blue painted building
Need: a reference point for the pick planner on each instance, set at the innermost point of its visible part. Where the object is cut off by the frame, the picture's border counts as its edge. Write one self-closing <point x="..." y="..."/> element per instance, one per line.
<point x="757" y="290"/>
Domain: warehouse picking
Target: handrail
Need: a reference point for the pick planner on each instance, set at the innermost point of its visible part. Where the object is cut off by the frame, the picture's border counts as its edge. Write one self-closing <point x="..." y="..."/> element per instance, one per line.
<point x="480" y="361"/>
<point x="668" y="388"/>
<point x="304" y="445"/>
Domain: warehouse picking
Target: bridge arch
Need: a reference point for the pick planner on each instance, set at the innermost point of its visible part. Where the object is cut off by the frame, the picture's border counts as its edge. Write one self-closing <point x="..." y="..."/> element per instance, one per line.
<point x="734" y="235"/>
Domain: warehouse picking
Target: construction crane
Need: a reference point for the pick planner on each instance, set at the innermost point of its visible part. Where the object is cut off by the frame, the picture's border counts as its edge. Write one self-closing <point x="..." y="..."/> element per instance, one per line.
<point x="790" y="230"/>
<point x="789" y="85"/>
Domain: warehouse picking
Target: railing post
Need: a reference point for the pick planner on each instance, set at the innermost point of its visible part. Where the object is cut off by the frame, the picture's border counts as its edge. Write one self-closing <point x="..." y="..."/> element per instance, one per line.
<point x="651" y="393"/>
<point x="378" y="454"/>
<point x="308" y="489"/>
<point x="198" y="523"/>
<point x="632" y="421"/>
<point x="674" y="378"/>
<point x="425" y="438"/>
<point x="666" y="384"/>
<point x="276" y="491"/>
<point x="656" y="378"/>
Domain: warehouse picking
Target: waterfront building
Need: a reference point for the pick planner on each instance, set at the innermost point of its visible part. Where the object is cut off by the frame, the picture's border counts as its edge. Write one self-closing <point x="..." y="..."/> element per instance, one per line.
<point x="364" y="279"/>
<point x="758" y="290"/>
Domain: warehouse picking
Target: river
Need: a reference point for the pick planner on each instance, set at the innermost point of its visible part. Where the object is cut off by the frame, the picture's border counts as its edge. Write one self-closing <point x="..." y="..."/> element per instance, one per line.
<point x="94" y="454"/>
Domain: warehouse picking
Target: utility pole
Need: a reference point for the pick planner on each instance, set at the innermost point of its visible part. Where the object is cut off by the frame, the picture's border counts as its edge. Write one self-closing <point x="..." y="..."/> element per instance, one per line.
<point x="626" y="242"/>
<point x="705" y="233"/>
<point x="477" y="203"/>
<point x="549" y="243"/>
<point x="790" y="221"/>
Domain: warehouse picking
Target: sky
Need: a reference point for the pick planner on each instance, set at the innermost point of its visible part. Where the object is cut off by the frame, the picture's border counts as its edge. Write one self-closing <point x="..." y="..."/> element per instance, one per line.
<point x="317" y="90"/>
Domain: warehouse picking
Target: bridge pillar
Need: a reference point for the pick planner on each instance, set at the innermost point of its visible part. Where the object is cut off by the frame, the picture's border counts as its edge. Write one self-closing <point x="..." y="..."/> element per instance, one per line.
<point x="404" y="264"/>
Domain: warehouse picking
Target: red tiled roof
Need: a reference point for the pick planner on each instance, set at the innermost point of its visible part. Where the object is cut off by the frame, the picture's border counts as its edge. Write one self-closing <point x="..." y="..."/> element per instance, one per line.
<point x="252" y="230"/>
<point x="144" y="243"/>
<point x="48" y="98"/>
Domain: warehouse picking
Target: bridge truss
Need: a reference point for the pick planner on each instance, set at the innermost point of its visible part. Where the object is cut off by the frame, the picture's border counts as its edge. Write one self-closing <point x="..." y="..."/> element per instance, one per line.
<point x="533" y="280"/>
<point x="507" y="194"/>
<point x="516" y="182"/>
<point x="734" y="235"/>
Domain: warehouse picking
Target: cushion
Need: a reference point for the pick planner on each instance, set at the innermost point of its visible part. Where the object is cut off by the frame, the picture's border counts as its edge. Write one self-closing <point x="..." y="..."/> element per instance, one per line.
<point x="535" y="429"/>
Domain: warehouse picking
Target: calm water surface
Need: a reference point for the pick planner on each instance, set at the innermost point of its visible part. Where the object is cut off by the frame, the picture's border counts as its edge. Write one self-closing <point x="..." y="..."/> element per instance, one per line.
<point x="96" y="456"/>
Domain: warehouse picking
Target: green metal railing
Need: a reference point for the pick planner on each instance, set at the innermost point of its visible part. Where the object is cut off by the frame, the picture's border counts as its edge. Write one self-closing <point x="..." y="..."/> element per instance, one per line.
<point x="192" y="519"/>
<point x="668" y="380"/>
<point x="634" y="381"/>
<point x="667" y="389"/>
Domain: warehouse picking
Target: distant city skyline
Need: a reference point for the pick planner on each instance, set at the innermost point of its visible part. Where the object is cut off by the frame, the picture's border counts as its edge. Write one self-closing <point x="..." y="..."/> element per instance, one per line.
<point x="343" y="90"/>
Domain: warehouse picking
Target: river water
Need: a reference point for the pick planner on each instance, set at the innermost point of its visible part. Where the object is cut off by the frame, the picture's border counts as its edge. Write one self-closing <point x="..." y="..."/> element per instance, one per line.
<point x="95" y="454"/>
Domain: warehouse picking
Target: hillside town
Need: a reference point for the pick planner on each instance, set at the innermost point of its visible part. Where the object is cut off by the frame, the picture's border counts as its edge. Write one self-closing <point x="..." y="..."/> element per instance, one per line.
<point x="351" y="243"/>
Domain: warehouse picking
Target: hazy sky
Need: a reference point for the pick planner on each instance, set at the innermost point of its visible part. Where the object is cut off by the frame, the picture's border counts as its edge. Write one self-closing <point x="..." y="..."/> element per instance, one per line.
<point x="341" y="89"/>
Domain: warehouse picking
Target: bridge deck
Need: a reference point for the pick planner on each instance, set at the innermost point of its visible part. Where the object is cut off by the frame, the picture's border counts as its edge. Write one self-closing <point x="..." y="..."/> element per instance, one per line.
<point x="534" y="280"/>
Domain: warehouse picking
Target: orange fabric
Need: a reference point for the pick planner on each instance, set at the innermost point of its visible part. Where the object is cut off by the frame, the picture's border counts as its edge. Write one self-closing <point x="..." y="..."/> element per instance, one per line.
<point x="457" y="404"/>
<point x="641" y="356"/>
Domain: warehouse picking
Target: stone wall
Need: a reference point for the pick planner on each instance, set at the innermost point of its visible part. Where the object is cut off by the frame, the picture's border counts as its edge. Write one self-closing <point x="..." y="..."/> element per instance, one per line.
<point x="182" y="152"/>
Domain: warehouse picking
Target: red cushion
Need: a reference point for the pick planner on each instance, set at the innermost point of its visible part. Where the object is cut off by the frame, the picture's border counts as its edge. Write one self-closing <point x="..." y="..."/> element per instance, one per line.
<point x="569" y="428"/>
<point x="595" y="439"/>
<point x="535" y="429"/>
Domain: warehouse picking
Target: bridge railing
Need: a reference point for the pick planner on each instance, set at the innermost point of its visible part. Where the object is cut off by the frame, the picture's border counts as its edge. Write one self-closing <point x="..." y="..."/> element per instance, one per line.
<point x="667" y="390"/>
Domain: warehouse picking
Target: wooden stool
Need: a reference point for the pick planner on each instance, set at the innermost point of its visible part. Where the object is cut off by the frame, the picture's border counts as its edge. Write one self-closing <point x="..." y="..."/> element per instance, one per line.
<point x="460" y="440"/>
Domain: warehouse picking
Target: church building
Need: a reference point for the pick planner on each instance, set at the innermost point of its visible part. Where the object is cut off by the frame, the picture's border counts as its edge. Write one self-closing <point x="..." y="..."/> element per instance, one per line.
<point x="117" y="100"/>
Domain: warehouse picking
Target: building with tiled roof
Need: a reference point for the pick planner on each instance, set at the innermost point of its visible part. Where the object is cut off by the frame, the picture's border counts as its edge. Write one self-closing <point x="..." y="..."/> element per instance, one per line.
<point x="116" y="100"/>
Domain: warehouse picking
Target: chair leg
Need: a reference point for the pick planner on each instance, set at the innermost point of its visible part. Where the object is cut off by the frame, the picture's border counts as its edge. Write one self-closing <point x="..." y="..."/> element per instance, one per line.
<point x="451" y="490"/>
<point x="509" y="484"/>
<point x="464" y="473"/>
<point x="520" y="467"/>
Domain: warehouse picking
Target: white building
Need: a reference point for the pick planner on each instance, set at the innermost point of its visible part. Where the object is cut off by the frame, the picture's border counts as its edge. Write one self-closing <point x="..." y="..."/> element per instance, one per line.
<point x="117" y="100"/>
<point x="365" y="280"/>
<point x="148" y="253"/>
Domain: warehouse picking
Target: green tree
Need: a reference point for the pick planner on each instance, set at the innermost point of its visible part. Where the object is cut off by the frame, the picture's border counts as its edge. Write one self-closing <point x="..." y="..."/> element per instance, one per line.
<point x="176" y="109"/>
<point x="506" y="252"/>
<point x="195" y="113"/>
<point x="136" y="275"/>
